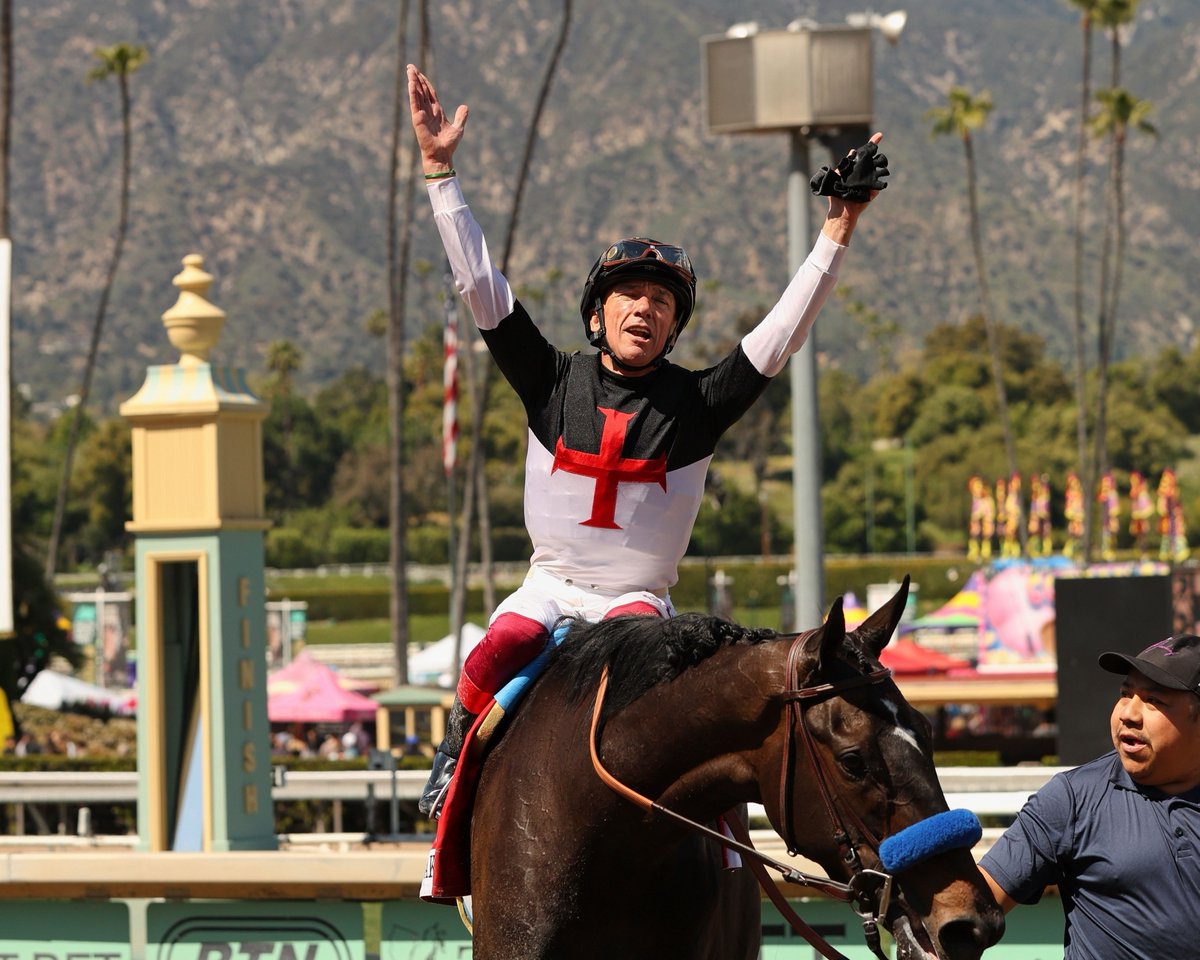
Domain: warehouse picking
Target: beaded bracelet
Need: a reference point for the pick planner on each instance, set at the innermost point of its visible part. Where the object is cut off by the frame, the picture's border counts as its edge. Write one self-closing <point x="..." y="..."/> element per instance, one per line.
<point x="440" y="176"/>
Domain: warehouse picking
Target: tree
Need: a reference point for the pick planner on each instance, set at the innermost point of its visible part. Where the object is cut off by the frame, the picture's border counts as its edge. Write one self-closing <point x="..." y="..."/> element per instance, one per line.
<point x="397" y="265"/>
<point x="121" y="61"/>
<point x="283" y="360"/>
<point x="963" y="114"/>
<point x="6" y="87"/>
<point x="36" y="618"/>
<point x="37" y="624"/>
<point x="1119" y="112"/>
<point x="1110" y="15"/>
<point x="476" y="485"/>
<point x="1087" y="13"/>
<point x="104" y="481"/>
<point x="355" y="407"/>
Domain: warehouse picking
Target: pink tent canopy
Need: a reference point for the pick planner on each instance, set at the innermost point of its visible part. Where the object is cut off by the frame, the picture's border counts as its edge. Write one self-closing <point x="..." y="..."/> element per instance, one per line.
<point x="289" y="678"/>
<point x="311" y="693"/>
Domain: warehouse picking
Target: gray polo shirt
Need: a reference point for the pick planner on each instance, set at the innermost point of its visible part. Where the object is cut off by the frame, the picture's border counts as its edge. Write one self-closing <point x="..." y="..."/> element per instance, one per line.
<point x="1126" y="860"/>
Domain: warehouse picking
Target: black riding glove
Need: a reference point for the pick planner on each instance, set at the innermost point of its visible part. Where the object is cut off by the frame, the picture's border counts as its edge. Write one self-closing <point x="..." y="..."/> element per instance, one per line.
<point x="855" y="176"/>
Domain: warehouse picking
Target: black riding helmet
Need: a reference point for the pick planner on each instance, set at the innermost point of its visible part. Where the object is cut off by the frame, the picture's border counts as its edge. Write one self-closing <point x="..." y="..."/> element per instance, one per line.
<point x="639" y="258"/>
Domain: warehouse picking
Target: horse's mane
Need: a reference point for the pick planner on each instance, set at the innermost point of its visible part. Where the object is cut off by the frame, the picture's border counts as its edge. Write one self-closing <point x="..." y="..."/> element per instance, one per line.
<point x="642" y="652"/>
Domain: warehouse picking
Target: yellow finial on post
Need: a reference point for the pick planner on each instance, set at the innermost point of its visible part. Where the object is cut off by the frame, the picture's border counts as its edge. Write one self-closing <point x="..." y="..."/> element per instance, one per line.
<point x="193" y="324"/>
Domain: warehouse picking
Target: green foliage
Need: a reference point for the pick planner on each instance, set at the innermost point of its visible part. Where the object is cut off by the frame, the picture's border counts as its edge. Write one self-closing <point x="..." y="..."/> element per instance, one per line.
<point x="348" y="545"/>
<point x="729" y="523"/>
<point x="428" y="544"/>
<point x="1173" y="380"/>
<point x="369" y="601"/>
<point x="948" y="410"/>
<point x="37" y="632"/>
<point x="288" y="548"/>
<point x="102" y="483"/>
<point x="300" y="455"/>
<point x="964" y="113"/>
<point x="119" y="60"/>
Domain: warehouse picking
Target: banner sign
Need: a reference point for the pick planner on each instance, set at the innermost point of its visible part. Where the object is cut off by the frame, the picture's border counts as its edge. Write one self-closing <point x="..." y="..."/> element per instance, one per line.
<point x="409" y="930"/>
<point x="49" y="930"/>
<point x="264" y="930"/>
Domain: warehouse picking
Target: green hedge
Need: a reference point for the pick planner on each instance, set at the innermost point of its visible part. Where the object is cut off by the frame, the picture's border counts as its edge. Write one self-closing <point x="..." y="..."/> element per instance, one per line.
<point x="370" y="601"/>
<point x="355" y="545"/>
<point x="58" y="763"/>
<point x="755" y="583"/>
<point x="289" y="548"/>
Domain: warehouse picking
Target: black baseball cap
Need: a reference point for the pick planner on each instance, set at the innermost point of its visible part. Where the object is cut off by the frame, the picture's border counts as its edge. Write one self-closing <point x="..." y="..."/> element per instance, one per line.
<point x="1174" y="662"/>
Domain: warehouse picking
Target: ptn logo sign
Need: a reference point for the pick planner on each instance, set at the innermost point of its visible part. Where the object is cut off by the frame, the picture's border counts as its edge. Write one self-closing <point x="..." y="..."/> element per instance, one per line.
<point x="257" y="950"/>
<point x="334" y="934"/>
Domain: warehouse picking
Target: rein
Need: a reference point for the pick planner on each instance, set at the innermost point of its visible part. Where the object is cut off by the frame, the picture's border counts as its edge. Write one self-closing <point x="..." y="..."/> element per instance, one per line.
<point x="869" y="891"/>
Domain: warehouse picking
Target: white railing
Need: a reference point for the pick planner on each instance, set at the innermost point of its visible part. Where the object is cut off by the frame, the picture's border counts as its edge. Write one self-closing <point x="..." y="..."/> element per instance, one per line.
<point x="995" y="791"/>
<point x="74" y="787"/>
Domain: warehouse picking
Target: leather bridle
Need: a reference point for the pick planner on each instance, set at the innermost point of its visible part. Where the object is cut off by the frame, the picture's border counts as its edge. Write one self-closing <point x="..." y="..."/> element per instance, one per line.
<point x="868" y="891"/>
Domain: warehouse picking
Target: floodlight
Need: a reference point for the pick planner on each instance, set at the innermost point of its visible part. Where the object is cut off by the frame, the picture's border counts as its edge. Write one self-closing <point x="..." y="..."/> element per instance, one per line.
<point x="746" y="29"/>
<point x="891" y="25"/>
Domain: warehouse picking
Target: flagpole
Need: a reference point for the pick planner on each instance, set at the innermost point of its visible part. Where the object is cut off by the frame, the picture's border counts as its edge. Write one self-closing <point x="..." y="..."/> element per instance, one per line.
<point x="450" y="449"/>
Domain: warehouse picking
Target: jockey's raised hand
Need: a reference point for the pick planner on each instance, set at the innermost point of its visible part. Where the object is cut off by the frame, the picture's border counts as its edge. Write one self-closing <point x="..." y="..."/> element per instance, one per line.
<point x="437" y="135"/>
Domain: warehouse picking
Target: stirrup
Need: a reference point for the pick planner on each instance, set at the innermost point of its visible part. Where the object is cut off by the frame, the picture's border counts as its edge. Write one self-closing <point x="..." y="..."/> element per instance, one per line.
<point x="440" y="778"/>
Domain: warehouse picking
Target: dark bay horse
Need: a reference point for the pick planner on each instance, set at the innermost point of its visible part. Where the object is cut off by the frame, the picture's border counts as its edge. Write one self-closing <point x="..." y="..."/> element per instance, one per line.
<point x="700" y="715"/>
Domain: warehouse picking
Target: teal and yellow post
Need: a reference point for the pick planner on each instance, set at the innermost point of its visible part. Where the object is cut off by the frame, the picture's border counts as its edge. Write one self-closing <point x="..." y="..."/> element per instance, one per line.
<point x="198" y="520"/>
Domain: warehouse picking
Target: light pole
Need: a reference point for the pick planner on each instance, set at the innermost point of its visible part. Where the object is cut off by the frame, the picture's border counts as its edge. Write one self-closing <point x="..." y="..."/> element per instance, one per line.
<point x="805" y="81"/>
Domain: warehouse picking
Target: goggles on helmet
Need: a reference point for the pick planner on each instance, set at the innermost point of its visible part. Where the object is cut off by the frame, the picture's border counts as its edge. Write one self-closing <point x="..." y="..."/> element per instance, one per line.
<point x="625" y="251"/>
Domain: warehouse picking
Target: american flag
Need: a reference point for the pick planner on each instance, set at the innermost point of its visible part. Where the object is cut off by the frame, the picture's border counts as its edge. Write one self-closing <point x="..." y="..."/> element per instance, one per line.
<point x="450" y="380"/>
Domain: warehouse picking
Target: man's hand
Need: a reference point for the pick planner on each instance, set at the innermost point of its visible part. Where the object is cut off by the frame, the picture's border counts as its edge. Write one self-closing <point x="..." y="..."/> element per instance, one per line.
<point x="437" y="135"/>
<point x="857" y="177"/>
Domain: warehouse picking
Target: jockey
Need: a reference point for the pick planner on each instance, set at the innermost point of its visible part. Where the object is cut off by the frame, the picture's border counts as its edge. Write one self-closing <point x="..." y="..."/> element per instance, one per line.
<point x="619" y="441"/>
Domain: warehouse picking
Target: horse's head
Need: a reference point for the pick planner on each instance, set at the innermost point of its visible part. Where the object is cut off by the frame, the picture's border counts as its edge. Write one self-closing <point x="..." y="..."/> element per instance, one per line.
<point x="858" y="764"/>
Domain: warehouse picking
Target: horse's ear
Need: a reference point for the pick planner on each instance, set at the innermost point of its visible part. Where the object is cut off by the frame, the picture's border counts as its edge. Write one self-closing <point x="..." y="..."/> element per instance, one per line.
<point x="877" y="629"/>
<point x="827" y="639"/>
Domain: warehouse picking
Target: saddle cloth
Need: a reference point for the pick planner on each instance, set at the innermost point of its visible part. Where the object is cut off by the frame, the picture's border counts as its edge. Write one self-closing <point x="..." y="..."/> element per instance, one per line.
<point x="448" y="868"/>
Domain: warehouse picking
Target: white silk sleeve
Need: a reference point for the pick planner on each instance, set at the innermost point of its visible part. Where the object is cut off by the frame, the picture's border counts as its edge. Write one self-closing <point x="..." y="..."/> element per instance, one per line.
<point x="783" y="331"/>
<point x="480" y="281"/>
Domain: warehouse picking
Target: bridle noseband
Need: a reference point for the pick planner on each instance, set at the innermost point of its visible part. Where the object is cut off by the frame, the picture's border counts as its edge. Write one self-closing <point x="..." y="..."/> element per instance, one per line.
<point x="868" y="891"/>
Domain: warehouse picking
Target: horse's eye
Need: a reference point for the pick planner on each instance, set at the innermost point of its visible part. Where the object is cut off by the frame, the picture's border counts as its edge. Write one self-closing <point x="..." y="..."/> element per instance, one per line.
<point x="853" y="765"/>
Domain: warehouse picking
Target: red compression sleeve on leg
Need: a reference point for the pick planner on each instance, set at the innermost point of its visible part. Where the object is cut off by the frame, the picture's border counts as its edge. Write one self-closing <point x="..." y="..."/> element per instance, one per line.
<point x="510" y="642"/>
<point x="637" y="608"/>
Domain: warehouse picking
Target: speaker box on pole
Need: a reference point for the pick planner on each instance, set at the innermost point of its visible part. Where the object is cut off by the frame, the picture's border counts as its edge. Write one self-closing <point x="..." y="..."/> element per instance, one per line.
<point x="1095" y="614"/>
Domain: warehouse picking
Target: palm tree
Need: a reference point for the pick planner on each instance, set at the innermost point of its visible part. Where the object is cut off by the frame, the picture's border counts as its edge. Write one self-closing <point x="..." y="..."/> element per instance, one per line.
<point x="1087" y="13"/>
<point x="121" y="61"/>
<point x="1111" y="15"/>
<point x="476" y="487"/>
<point x="6" y="78"/>
<point x="1120" y="111"/>
<point x="397" y="513"/>
<point x="963" y="114"/>
<point x="283" y="360"/>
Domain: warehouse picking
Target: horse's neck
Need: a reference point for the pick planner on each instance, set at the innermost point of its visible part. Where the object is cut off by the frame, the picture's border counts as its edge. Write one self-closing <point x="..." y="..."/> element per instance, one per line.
<point x="698" y="735"/>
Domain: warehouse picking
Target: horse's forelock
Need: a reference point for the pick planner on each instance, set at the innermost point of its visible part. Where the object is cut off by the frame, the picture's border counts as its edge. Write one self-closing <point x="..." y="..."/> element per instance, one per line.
<point x="859" y="653"/>
<point x="642" y="651"/>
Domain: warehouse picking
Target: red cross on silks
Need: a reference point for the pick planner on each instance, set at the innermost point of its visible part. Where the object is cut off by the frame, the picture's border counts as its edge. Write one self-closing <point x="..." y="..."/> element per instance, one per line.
<point x="609" y="469"/>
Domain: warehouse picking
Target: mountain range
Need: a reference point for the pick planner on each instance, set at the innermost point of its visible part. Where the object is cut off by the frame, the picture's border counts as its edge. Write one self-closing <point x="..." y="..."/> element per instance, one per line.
<point x="261" y="137"/>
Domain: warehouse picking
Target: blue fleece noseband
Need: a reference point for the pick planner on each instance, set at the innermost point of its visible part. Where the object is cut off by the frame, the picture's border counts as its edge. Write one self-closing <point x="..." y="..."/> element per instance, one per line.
<point x="952" y="830"/>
